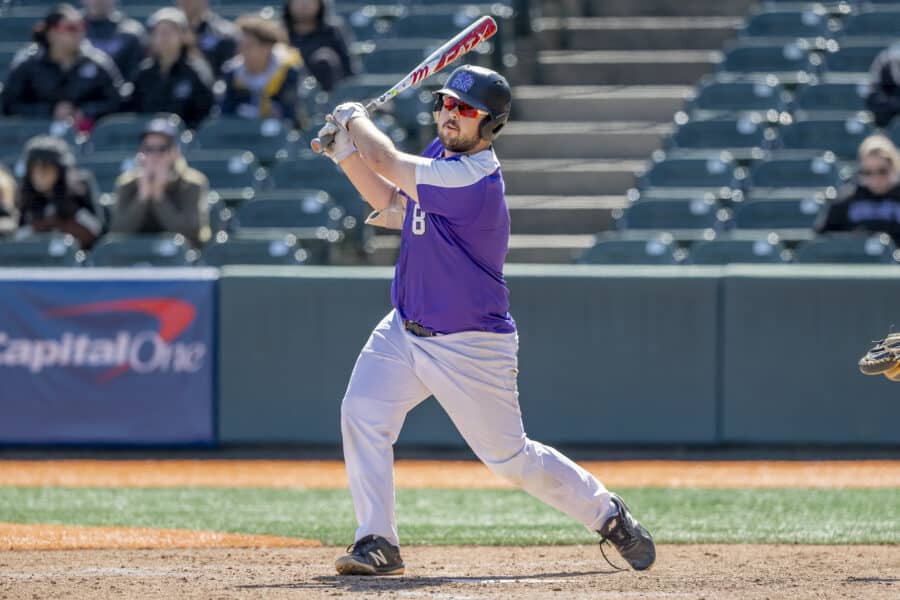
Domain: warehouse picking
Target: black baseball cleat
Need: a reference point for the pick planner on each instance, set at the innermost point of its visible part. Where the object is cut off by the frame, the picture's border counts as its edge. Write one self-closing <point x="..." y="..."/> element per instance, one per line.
<point x="371" y="555"/>
<point x="629" y="537"/>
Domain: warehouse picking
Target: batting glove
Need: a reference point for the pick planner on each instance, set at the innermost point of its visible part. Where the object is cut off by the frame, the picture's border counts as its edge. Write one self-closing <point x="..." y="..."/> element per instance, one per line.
<point x="341" y="146"/>
<point x="346" y="112"/>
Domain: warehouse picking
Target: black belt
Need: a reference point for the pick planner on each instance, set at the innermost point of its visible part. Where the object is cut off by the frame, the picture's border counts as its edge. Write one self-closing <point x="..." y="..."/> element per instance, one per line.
<point x="418" y="330"/>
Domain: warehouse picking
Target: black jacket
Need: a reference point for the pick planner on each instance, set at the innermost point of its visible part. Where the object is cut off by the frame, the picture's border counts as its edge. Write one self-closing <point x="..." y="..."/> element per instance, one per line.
<point x="325" y="53"/>
<point x="71" y="207"/>
<point x="858" y="209"/>
<point x="217" y="40"/>
<point x="279" y="98"/>
<point x="122" y="38"/>
<point x="35" y="84"/>
<point x="187" y="90"/>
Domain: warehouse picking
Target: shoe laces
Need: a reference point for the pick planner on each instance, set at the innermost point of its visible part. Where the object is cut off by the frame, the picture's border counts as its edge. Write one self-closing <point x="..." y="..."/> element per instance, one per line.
<point x="603" y="542"/>
<point x="362" y="545"/>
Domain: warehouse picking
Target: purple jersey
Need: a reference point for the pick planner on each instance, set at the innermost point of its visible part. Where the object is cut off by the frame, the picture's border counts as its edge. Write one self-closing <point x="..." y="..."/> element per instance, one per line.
<point x="449" y="275"/>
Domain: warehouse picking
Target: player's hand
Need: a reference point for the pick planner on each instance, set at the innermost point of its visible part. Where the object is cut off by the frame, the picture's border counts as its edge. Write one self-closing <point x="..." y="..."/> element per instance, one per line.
<point x="346" y="112"/>
<point x="341" y="146"/>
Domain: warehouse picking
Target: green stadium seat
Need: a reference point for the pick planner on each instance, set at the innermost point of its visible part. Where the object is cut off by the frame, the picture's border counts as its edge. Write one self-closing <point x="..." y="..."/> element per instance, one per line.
<point x="16" y="131"/>
<point x="787" y="213"/>
<point x="773" y="22"/>
<point x="106" y="167"/>
<point x="841" y="136"/>
<point x="438" y="21"/>
<point x="315" y="172"/>
<point x="168" y="250"/>
<point x="784" y="60"/>
<point x="235" y="175"/>
<point x="52" y="250"/>
<point x="725" y="251"/>
<point x="852" y="57"/>
<point x="268" y="139"/>
<point x="679" y="213"/>
<point x="17" y="28"/>
<point x="847" y="97"/>
<point x="738" y="136"/>
<point x="118" y="132"/>
<point x="273" y="250"/>
<point x="875" y="249"/>
<point x="872" y="23"/>
<point x="716" y="96"/>
<point x="796" y="172"/>
<point x="613" y="250"/>
<point x="717" y="170"/>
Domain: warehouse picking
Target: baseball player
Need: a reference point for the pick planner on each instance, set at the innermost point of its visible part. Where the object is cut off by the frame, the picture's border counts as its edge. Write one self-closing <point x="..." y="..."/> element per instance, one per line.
<point x="450" y="333"/>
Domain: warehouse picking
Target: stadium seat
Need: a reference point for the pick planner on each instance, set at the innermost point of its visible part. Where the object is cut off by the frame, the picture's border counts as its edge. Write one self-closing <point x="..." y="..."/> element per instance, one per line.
<point x="106" y="167"/>
<point x="794" y="172"/>
<point x="734" y="135"/>
<point x="841" y="136"/>
<point x="16" y="28"/>
<point x="783" y="60"/>
<point x="395" y="55"/>
<point x="52" y="250"/>
<point x="715" y="171"/>
<point x="168" y="250"/>
<point x="875" y="249"/>
<point x="872" y="23"/>
<point x="612" y="250"/>
<point x="786" y="213"/>
<point x="437" y="21"/>
<point x="729" y="251"/>
<point x="274" y="250"/>
<point x="315" y="172"/>
<point x="268" y="139"/>
<point x="701" y="213"/>
<point x="234" y="174"/>
<point x="119" y="132"/>
<point x="810" y="22"/>
<point x="847" y="97"/>
<point x="739" y="96"/>
<point x="849" y="57"/>
<point x="16" y="131"/>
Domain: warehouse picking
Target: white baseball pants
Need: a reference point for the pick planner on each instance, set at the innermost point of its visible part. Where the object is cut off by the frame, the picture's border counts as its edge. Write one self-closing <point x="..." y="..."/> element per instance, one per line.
<point x="473" y="376"/>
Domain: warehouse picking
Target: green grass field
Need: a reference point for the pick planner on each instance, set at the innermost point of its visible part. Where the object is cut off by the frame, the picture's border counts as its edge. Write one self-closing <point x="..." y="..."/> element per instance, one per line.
<point x="486" y="517"/>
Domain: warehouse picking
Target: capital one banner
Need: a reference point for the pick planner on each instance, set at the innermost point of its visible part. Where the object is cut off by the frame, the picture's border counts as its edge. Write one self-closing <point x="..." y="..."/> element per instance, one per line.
<point x="107" y="357"/>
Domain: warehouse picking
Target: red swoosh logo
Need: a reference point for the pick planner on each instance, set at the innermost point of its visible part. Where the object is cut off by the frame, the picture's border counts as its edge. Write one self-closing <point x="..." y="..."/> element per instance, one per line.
<point x="173" y="316"/>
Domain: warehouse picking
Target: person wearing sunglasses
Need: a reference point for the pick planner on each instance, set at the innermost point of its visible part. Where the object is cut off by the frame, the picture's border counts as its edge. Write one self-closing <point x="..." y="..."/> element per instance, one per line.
<point x="872" y="203"/>
<point x="162" y="194"/>
<point x="61" y="76"/>
<point x="450" y="333"/>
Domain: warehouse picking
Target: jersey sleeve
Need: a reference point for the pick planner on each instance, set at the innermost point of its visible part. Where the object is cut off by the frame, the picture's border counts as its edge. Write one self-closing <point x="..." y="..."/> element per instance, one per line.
<point x="452" y="188"/>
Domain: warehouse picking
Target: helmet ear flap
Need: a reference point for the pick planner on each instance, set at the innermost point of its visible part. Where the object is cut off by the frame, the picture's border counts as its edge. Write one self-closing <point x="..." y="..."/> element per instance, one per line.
<point x="490" y="127"/>
<point x="437" y="103"/>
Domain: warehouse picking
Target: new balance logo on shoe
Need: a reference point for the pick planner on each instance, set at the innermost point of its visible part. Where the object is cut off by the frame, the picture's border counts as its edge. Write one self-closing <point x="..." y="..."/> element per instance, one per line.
<point x="371" y="555"/>
<point x="378" y="558"/>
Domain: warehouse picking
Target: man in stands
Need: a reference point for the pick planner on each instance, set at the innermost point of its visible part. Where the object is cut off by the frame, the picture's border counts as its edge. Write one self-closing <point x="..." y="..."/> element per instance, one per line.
<point x="215" y="37"/>
<point x="109" y="30"/>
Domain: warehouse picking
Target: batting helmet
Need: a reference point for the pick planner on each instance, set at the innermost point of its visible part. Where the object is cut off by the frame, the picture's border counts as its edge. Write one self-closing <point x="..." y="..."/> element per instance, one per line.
<point x="485" y="90"/>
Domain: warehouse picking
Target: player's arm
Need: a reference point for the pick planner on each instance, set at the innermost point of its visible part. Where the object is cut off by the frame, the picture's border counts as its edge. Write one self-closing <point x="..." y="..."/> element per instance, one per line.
<point x="375" y="189"/>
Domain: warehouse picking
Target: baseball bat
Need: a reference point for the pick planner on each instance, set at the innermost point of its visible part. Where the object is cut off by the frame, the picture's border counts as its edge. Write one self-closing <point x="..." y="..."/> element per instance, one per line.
<point x="461" y="44"/>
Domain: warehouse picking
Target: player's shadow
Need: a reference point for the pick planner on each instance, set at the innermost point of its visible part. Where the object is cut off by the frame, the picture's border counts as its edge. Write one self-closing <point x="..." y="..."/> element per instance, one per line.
<point x="374" y="584"/>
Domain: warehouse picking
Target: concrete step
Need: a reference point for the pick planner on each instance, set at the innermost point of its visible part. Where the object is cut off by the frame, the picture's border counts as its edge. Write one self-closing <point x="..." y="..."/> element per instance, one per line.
<point x="563" y="214"/>
<point x="661" y="8"/>
<point x="612" y="139"/>
<point x="597" y="103"/>
<point x="603" y="67"/>
<point x="560" y="177"/>
<point x="556" y="249"/>
<point x="635" y="33"/>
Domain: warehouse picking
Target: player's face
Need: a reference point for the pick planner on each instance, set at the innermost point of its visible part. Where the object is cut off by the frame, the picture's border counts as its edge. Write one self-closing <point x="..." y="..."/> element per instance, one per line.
<point x="457" y="125"/>
<point x="877" y="174"/>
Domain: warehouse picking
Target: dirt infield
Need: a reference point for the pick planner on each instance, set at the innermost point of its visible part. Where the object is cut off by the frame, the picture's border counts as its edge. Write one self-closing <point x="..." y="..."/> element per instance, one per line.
<point x="564" y="572"/>
<point x="443" y="474"/>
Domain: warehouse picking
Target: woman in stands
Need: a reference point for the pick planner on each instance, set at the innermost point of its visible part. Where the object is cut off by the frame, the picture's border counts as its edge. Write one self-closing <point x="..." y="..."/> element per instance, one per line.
<point x="322" y="40"/>
<point x="872" y="203"/>
<point x="262" y="81"/>
<point x="56" y="196"/>
<point x="9" y="215"/>
<point x="61" y="76"/>
<point x="175" y="78"/>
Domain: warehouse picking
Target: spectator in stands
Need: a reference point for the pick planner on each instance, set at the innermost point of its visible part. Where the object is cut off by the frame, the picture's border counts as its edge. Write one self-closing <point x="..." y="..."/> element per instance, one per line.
<point x="884" y="86"/>
<point x="108" y="29"/>
<point x="62" y="77"/>
<point x="162" y="193"/>
<point x="54" y="195"/>
<point x="321" y="39"/>
<point x="175" y="78"/>
<point x="9" y="215"/>
<point x="216" y="37"/>
<point x="873" y="202"/>
<point x="261" y="81"/>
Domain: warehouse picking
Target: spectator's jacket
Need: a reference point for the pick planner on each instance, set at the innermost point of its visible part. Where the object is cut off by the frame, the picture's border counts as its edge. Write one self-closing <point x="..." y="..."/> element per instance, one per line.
<point x="36" y="84"/>
<point x="187" y="90"/>
<point x="325" y="53"/>
<point x="121" y="38"/>
<point x="217" y="40"/>
<point x="9" y="214"/>
<point x="273" y="94"/>
<point x="72" y="209"/>
<point x="858" y="209"/>
<point x="884" y="86"/>
<point x="183" y="210"/>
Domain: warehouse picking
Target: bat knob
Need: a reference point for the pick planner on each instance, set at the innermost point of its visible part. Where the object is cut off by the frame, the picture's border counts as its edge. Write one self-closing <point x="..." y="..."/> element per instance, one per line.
<point x="319" y="144"/>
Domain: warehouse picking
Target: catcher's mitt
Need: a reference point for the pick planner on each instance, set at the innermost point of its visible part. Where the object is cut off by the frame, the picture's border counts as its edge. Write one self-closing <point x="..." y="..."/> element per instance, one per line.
<point x="883" y="358"/>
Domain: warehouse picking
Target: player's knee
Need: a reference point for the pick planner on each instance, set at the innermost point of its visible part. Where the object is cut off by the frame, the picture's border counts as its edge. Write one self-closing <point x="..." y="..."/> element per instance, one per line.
<point x="511" y="468"/>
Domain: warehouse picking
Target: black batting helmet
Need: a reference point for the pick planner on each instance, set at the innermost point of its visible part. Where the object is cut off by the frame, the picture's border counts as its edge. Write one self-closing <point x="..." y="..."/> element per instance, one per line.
<point x="484" y="89"/>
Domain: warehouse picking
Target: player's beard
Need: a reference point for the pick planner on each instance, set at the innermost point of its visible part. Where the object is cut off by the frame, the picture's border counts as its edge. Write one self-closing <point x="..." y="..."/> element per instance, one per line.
<point x="458" y="143"/>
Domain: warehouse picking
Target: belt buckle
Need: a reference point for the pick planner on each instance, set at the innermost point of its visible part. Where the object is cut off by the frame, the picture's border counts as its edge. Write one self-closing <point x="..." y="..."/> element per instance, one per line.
<point x="417" y="329"/>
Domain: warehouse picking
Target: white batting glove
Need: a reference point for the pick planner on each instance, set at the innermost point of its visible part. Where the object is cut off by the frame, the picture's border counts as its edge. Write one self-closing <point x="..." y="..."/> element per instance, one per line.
<point x="346" y="112"/>
<point x="341" y="145"/>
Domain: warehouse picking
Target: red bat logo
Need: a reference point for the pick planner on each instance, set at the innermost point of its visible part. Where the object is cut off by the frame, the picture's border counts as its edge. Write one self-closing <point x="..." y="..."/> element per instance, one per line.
<point x="475" y="37"/>
<point x="419" y="74"/>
